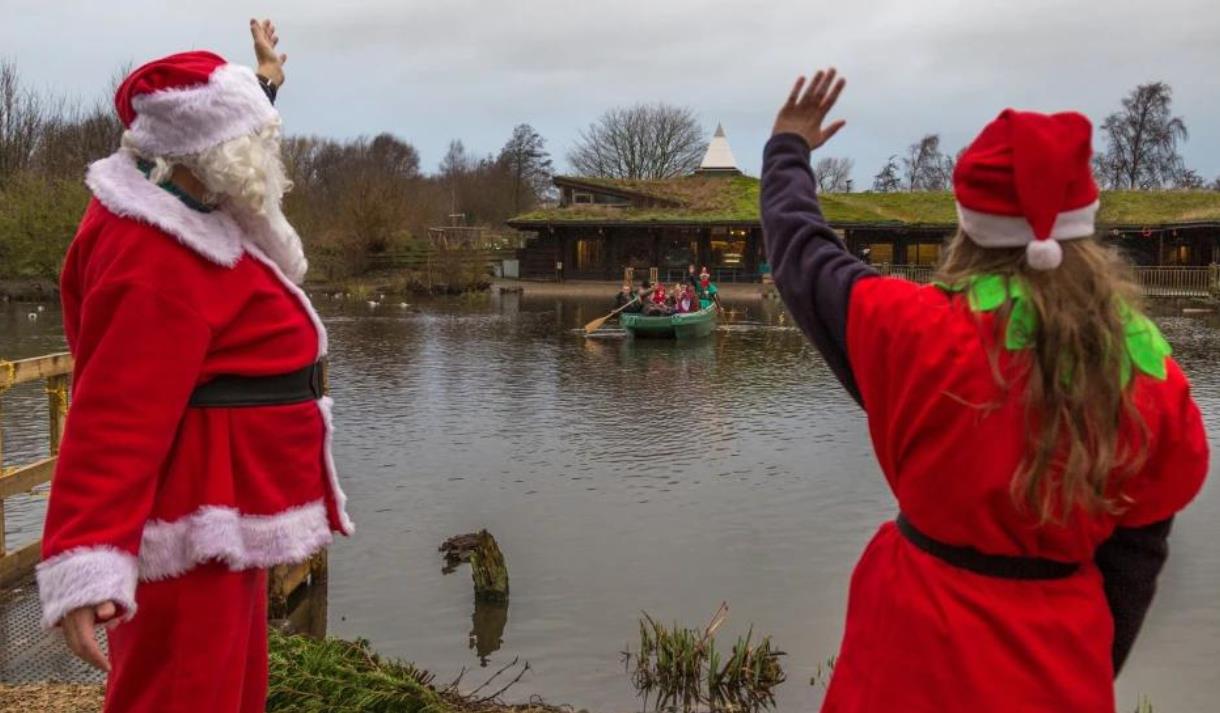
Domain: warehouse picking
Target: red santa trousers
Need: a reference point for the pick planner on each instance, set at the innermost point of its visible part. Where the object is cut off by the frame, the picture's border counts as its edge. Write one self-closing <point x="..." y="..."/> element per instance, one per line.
<point x="198" y="642"/>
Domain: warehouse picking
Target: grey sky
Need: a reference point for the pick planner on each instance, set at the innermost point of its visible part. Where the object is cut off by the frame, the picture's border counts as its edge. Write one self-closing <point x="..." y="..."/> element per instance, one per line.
<point x="442" y="69"/>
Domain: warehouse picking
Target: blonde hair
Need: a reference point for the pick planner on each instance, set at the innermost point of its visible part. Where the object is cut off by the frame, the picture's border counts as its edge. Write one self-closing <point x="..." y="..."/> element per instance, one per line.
<point x="1075" y="398"/>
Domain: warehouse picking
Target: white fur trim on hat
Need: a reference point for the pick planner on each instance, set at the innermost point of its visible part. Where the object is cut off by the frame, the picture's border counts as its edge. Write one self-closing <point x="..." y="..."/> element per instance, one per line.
<point x="84" y="577"/>
<point x="125" y="191"/>
<point x="239" y="540"/>
<point x="182" y="122"/>
<point x="1013" y="231"/>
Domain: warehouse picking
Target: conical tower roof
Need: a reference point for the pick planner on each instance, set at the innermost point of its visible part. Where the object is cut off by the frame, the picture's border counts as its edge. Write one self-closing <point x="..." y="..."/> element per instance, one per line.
<point x="719" y="157"/>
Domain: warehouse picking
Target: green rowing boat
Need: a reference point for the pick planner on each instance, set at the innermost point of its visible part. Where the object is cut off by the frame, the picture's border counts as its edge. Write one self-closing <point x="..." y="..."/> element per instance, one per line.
<point x="691" y="325"/>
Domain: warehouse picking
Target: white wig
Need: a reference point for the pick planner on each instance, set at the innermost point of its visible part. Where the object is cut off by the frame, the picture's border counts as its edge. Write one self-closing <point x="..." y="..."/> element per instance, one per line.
<point x="244" y="176"/>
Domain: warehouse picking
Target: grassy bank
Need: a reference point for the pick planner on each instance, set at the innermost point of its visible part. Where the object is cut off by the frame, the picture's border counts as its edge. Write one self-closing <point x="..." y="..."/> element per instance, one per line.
<point x="311" y="676"/>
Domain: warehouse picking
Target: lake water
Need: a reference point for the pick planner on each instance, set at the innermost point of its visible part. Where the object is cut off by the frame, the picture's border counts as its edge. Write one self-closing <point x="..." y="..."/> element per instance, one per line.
<point x="622" y="477"/>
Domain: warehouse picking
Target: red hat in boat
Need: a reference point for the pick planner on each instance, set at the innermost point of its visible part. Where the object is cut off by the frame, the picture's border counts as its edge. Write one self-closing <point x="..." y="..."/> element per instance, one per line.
<point x="1027" y="180"/>
<point x="185" y="103"/>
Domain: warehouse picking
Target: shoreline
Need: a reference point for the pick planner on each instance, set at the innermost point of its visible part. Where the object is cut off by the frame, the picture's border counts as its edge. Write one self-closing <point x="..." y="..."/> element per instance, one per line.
<point x="28" y="290"/>
<point x="606" y="289"/>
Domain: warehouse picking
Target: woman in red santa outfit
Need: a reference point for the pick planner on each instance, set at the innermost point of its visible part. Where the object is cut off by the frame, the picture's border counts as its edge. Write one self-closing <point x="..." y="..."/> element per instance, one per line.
<point x="197" y="450"/>
<point x="1035" y="432"/>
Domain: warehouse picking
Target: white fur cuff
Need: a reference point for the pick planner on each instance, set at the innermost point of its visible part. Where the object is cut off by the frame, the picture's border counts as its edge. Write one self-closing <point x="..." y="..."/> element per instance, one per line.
<point x="86" y="576"/>
<point x="240" y="541"/>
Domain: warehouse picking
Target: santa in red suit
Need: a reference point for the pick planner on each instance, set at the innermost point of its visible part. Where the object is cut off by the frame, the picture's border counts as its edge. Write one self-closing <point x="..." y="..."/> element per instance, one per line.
<point x="197" y="451"/>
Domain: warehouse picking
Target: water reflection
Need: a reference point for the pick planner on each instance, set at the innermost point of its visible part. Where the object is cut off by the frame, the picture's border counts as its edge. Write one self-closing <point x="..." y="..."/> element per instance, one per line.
<point x="487" y="629"/>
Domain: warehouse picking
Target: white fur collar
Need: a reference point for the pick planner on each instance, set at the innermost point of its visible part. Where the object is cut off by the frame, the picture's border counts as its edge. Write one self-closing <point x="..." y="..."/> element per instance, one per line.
<point x="126" y="191"/>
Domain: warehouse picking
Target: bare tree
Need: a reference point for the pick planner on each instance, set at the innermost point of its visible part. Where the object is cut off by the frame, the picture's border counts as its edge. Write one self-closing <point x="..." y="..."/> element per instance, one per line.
<point x="1189" y="179"/>
<point x="648" y="141"/>
<point x="833" y="174"/>
<point x="887" y="180"/>
<point x="925" y="168"/>
<point x="528" y="166"/>
<point x="1142" y="140"/>
<point x="22" y="118"/>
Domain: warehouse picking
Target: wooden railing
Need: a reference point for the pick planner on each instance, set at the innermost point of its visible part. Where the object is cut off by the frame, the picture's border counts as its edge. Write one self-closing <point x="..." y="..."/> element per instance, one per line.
<point x="1156" y="281"/>
<point x="427" y="260"/>
<point x="55" y="371"/>
<point x="1179" y="281"/>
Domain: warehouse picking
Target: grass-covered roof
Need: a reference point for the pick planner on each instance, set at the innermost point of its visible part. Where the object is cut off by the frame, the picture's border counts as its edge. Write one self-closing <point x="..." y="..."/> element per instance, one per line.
<point x="734" y="199"/>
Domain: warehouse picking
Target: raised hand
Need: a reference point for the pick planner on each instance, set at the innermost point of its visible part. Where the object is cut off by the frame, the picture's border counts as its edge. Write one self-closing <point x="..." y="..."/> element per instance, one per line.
<point x="270" y="62"/>
<point x="803" y="114"/>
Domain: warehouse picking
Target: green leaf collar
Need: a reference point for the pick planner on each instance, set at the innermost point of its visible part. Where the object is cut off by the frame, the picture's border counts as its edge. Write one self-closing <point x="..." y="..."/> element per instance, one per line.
<point x="1147" y="349"/>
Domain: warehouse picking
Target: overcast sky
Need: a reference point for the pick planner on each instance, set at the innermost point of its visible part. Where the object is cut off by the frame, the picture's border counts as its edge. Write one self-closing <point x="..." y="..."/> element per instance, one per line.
<point x="430" y="71"/>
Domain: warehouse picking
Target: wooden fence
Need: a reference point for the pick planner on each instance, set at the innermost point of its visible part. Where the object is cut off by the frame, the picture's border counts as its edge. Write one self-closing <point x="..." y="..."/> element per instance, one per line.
<point x="429" y="260"/>
<point x="1156" y="281"/>
<point x="55" y="371"/>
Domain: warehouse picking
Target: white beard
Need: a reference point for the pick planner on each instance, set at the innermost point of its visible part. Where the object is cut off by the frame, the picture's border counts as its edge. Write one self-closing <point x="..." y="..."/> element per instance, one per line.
<point x="271" y="232"/>
<point x="249" y="177"/>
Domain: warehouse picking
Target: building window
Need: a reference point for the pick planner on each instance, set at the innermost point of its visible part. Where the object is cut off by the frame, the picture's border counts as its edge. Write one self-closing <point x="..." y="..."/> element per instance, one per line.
<point x="728" y="247"/>
<point x="579" y="198"/>
<point x="924" y="253"/>
<point x="588" y="254"/>
<point x="1177" y="255"/>
<point x="880" y="253"/>
<point x="678" y="252"/>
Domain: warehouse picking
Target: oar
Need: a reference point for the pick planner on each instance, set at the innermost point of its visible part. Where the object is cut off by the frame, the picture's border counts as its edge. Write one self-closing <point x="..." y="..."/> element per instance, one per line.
<point x="597" y="323"/>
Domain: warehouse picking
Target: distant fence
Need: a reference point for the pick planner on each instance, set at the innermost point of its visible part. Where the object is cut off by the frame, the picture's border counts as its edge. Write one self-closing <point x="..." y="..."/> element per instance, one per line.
<point x="1156" y="281"/>
<point x="426" y="260"/>
<point x="1179" y="281"/>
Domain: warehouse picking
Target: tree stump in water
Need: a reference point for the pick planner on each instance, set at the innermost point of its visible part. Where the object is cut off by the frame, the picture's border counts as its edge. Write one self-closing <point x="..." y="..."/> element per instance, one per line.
<point x="488" y="570"/>
<point x="487" y="567"/>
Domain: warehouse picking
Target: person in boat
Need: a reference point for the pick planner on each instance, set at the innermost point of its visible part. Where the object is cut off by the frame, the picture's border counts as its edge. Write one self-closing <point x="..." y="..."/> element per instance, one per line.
<point x="655" y="300"/>
<point x="197" y="452"/>
<point x="692" y="277"/>
<point x="683" y="299"/>
<point x="1038" y="437"/>
<point x="708" y="294"/>
<point x="627" y="299"/>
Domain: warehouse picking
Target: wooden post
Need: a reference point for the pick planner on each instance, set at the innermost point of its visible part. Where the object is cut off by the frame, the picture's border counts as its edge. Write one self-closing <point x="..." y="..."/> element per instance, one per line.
<point x="3" y="546"/>
<point x="57" y="408"/>
<point x="488" y="570"/>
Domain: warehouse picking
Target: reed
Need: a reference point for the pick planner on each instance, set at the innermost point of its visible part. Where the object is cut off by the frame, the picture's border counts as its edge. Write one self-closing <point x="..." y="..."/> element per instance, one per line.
<point x="678" y="668"/>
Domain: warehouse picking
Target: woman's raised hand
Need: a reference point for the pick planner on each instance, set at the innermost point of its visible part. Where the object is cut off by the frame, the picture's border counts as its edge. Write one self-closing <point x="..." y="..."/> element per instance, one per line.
<point x="270" y="62"/>
<point x="804" y="113"/>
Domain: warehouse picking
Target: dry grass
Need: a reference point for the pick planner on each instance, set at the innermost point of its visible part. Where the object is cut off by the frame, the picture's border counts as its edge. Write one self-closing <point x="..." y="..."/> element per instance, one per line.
<point x="51" y="698"/>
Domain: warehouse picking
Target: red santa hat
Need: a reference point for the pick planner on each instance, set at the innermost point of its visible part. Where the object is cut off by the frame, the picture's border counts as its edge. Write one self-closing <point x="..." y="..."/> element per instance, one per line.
<point x="185" y="103"/>
<point x="1026" y="180"/>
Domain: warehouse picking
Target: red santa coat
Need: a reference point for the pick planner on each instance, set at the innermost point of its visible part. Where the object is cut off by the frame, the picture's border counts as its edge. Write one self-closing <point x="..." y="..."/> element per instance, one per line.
<point x="923" y="635"/>
<point x="159" y="298"/>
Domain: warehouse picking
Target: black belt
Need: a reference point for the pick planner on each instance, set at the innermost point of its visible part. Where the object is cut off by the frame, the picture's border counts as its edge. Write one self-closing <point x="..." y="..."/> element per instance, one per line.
<point x="230" y="391"/>
<point x="1002" y="566"/>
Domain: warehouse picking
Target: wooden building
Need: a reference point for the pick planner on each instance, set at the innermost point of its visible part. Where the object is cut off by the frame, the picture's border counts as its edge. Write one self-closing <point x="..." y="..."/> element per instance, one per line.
<point x="711" y="218"/>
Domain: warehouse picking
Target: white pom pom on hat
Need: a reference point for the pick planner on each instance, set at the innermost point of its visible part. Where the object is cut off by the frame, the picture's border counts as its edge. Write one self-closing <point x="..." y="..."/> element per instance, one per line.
<point x="1026" y="180"/>
<point x="1044" y="254"/>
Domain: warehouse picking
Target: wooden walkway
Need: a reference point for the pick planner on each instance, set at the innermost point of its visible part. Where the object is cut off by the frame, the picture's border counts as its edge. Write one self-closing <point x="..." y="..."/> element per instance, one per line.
<point x="28" y="653"/>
